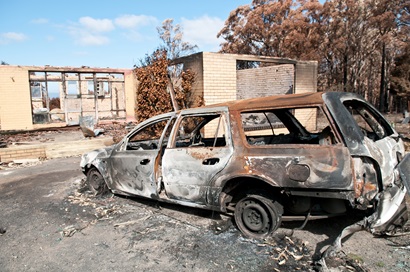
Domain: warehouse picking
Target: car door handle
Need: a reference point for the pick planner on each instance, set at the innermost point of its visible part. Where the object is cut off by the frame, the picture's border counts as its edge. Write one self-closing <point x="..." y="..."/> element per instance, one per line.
<point x="210" y="161"/>
<point x="145" y="161"/>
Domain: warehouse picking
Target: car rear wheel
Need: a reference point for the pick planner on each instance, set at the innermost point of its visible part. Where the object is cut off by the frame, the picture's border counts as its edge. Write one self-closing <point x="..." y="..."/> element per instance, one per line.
<point x="96" y="182"/>
<point x="257" y="216"/>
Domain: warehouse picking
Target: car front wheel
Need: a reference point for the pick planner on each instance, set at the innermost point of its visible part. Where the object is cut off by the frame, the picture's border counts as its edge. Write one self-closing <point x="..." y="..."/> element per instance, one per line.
<point x="257" y="216"/>
<point x="96" y="182"/>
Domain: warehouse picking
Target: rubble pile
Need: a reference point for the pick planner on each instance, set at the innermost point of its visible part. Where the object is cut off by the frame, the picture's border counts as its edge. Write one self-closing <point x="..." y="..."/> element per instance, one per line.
<point x="291" y="253"/>
<point x="38" y="136"/>
<point x="116" y="130"/>
<point x="23" y="137"/>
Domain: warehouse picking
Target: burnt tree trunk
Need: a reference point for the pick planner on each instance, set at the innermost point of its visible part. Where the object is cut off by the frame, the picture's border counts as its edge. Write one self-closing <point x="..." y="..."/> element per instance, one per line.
<point x="382" y="97"/>
<point x="345" y="73"/>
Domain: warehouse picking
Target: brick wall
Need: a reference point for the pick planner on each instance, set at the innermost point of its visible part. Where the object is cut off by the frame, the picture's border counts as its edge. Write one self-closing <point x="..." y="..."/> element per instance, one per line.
<point x="21" y="152"/>
<point x="195" y="64"/>
<point x="219" y="81"/>
<point x="265" y="81"/>
<point x="15" y="100"/>
<point x="110" y="106"/>
<point x="306" y="77"/>
<point x="306" y="81"/>
<point x="219" y="72"/>
<point x="16" y="105"/>
<point x="130" y="86"/>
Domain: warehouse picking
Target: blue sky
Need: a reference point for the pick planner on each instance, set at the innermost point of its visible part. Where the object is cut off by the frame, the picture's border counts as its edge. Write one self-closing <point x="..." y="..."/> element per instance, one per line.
<point x="103" y="33"/>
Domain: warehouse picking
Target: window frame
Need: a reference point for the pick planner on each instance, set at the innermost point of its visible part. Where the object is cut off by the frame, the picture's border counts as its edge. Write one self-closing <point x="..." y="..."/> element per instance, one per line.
<point x="293" y="124"/>
<point x="223" y="121"/>
<point x="377" y="120"/>
<point x="141" y="129"/>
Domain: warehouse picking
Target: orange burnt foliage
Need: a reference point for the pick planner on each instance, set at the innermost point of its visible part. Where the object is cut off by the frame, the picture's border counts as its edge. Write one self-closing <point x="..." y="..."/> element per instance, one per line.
<point x="152" y="95"/>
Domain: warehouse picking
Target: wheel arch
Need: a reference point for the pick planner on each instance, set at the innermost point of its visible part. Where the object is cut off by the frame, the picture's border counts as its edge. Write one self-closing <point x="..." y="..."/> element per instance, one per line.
<point x="87" y="168"/>
<point x="100" y="166"/>
<point x="236" y="187"/>
<point x="97" y="164"/>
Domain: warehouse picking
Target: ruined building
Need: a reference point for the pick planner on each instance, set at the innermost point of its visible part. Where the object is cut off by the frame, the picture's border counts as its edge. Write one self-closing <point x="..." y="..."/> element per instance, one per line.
<point x="28" y="93"/>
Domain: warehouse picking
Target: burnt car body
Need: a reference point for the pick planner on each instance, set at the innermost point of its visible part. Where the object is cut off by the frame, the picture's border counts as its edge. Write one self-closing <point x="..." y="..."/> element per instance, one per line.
<point x="264" y="159"/>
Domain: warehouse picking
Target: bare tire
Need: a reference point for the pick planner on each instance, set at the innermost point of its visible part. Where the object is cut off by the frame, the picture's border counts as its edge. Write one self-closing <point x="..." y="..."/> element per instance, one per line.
<point x="96" y="182"/>
<point x="256" y="216"/>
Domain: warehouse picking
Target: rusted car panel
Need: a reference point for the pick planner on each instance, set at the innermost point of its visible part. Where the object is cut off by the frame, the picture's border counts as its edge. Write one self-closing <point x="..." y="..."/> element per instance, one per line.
<point x="307" y="167"/>
<point x="264" y="159"/>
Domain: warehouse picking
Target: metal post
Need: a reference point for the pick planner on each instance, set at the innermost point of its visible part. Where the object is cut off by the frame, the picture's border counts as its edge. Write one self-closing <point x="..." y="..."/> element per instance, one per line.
<point x="171" y="91"/>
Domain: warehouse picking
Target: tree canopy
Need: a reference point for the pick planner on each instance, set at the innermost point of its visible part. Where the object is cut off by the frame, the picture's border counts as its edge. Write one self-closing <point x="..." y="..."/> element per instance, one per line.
<point x="361" y="46"/>
<point x="156" y="72"/>
<point x="172" y="38"/>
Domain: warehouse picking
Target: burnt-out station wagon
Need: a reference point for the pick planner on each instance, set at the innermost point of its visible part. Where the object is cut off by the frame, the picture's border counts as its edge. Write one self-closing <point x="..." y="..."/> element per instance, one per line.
<point x="263" y="160"/>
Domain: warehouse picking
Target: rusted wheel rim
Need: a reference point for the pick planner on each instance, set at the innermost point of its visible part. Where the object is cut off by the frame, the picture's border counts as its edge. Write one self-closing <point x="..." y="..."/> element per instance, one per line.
<point x="255" y="217"/>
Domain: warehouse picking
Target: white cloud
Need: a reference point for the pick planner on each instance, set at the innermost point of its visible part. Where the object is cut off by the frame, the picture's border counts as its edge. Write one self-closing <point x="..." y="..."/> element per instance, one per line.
<point x="87" y="31"/>
<point x="40" y="21"/>
<point x="85" y="37"/>
<point x="90" y="31"/>
<point x="10" y="37"/>
<point x="96" y="25"/>
<point x="134" y="36"/>
<point x="202" y="31"/>
<point x="134" y="21"/>
<point x="88" y="38"/>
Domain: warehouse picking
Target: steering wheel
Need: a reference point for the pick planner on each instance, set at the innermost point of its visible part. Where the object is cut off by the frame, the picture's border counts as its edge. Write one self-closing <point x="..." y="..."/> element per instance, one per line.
<point x="196" y="139"/>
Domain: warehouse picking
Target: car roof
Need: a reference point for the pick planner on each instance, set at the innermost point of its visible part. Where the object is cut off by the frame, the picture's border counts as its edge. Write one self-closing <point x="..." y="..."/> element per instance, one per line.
<point x="274" y="101"/>
<point x="280" y="101"/>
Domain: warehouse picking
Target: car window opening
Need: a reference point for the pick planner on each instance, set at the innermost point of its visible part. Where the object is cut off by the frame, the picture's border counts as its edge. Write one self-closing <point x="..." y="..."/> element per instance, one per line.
<point x="201" y="131"/>
<point x="287" y="126"/>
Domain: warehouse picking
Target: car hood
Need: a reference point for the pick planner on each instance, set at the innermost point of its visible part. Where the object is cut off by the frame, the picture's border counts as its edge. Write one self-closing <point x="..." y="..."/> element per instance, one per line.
<point x="96" y="156"/>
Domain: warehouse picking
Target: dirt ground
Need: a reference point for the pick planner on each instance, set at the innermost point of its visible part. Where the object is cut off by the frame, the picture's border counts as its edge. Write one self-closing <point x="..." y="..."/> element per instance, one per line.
<point x="50" y="222"/>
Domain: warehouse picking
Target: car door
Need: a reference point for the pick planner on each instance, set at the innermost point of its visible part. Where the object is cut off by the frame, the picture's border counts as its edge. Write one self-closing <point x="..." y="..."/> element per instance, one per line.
<point x="381" y="141"/>
<point x="373" y="144"/>
<point x="296" y="148"/>
<point x="200" y="150"/>
<point x="133" y="167"/>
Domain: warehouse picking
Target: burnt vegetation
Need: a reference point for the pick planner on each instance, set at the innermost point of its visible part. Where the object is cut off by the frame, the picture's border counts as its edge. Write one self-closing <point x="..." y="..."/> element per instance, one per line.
<point x="156" y="73"/>
<point x="360" y="46"/>
<point x="153" y="98"/>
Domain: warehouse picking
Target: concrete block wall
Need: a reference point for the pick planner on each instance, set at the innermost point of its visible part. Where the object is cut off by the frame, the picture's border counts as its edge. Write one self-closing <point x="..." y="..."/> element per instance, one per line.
<point x="15" y="98"/>
<point x="265" y="81"/>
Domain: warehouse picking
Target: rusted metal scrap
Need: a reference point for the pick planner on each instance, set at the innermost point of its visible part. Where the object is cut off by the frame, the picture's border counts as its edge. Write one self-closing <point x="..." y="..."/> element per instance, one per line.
<point x="87" y="124"/>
